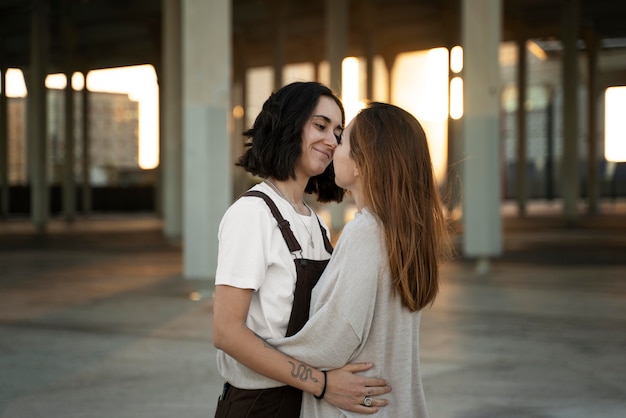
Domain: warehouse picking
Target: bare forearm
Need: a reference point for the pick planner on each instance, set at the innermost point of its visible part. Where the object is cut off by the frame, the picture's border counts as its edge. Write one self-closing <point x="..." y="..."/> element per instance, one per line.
<point x="256" y="354"/>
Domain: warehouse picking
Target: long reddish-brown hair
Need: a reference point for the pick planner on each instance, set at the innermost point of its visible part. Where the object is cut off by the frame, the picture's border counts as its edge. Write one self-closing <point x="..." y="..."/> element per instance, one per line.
<point x="390" y="150"/>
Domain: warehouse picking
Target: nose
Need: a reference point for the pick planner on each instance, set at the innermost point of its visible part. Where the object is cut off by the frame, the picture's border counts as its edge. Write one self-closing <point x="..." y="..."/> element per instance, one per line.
<point x="331" y="141"/>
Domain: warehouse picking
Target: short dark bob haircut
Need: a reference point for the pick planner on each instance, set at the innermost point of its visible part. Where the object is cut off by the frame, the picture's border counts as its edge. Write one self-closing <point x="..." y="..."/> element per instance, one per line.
<point x="275" y="140"/>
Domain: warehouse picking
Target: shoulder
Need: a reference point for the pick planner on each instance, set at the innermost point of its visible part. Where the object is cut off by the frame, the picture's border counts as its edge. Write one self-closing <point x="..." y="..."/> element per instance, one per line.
<point x="253" y="203"/>
<point x="364" y="224"/>
<point x="362" y="238"/>
<point x="249" y="209"/>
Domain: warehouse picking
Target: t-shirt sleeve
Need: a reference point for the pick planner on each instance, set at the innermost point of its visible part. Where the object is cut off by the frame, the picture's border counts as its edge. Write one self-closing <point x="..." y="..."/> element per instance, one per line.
<point x="343" y="312"/>
<point x="244" y="237"/>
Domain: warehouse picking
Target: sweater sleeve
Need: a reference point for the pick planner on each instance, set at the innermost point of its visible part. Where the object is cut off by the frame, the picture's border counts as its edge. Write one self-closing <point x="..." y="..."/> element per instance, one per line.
<point x="343" y="301"/>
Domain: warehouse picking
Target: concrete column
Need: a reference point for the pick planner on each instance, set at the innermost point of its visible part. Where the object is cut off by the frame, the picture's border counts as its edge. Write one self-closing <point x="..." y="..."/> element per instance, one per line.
<point x="453" y="194"/>
<point x="316" y="70"/>
<point x="241" y="179"/>
<point x="157" y="197"/>
<point x="280" y="41"/>
<point x="336" y="39"/>
<point x="550" y="143"/>
<point x="336" y="50"/>
<point x="4" y="147"/>
<point x="369" y="69"/>
<point x="36" y="121"/>
<point x="68" y="37"/>
<point x="570" y="188"/>
<point x="593" y="192"/>
<point x="171" y="117"/>
<point x="522" y="77"/>
<point x="86" y="152"/>
<point x="207" y="165"/>
<point x="370" y="47"/>
<point x="69" y="183"/>
<point x="390" y="62"/>
<point x="481" y="35"/>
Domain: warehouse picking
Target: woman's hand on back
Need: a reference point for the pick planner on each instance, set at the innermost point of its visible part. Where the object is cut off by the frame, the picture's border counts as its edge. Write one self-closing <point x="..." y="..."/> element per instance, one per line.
<point x="347" y="390"/>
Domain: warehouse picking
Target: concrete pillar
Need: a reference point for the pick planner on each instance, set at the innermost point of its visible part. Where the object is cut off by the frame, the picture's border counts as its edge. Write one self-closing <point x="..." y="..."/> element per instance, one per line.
<point x="369" y="69"/>
<point x="157" y="195"/>
<point x="390" y="62"/>
<point x="316" y="70"/>
<point x="207" y="166"/>
<point x="570" y="187"/>
<point x="370" y="47"/>
<point x="482" y="237"/>
<point x="68" y="37"/>
<point x="86" y="152"/>
<point x="336" y="50"/>
<point x="593" y="192"/>
<point x="336" y="39"/>
<point x="241" y="179"/>
<point x="171" y="160"/>
<point x="4" y="147"/>
<point x="69" y="183"/>
<point x="280" y="41"/>
<point x="36" y="120"/>
<point x="522" y="77"/>
<point x="453" y="194"/>
<point x="550" y="143"/>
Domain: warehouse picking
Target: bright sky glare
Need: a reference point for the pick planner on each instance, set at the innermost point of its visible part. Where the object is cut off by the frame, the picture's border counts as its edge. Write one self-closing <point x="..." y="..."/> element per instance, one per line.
<point x="615" y="124"/>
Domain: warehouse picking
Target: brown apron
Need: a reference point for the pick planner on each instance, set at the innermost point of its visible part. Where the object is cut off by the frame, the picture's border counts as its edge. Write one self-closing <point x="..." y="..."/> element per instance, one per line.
<point x="284" y="401"/>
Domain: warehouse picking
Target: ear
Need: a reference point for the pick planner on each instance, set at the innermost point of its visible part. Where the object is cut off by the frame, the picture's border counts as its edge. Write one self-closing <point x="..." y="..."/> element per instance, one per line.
<point x="356" y="171"/>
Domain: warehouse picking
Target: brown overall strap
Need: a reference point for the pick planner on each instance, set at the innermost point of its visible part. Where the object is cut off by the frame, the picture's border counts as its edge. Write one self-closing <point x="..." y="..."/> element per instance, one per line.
<point x="327" y="244"/>
<point x="284" y="225"/>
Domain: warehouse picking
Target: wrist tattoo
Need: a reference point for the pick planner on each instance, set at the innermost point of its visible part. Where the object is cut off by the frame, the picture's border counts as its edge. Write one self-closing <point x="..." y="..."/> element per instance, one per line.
<point x="302" y="372"/>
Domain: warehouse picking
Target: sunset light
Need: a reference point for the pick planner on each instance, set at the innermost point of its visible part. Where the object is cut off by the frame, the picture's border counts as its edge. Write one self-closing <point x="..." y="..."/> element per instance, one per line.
<point x="421" y="87"/>
<point x="615" y="124"/>
<point x="350" y="91"/>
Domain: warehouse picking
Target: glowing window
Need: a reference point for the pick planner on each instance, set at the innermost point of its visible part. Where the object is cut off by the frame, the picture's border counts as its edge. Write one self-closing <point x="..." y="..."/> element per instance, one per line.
<point x="615" y="124"/>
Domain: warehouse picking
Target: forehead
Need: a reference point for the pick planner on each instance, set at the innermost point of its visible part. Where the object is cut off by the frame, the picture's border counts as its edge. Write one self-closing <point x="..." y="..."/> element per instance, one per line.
<point x="328" y="108"/>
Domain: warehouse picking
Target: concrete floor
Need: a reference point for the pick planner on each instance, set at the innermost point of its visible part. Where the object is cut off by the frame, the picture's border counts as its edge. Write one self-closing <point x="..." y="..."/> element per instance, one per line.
<point x="96" y="321"/>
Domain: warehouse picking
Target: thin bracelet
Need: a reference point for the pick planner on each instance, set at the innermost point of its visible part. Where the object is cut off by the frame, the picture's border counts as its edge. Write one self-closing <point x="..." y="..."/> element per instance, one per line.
<point x="324" y="389"/>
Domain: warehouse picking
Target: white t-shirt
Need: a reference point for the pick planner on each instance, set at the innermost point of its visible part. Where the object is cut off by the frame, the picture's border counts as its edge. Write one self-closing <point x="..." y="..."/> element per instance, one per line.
<point x="253" y="255"/>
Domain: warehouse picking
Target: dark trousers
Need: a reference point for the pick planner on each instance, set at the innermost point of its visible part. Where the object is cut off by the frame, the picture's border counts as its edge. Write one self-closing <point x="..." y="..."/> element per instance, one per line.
<point x="280" y="402"/>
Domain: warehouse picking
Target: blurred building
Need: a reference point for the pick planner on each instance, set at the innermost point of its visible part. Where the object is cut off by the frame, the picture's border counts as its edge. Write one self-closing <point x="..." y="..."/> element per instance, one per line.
<point x="117" y="183"/>
<point x="113" y="133"/>
<point x="544" y="125"/>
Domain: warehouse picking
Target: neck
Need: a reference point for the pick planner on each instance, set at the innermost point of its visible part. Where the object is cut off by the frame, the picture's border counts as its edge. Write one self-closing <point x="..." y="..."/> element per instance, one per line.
<point x="292" y="191"/>
<point x="357" y="195"/>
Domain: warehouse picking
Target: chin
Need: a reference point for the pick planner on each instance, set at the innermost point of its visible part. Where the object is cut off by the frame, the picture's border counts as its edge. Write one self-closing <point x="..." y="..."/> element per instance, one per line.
<point x="319" y="170"/>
